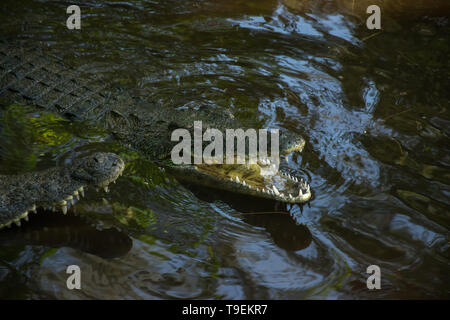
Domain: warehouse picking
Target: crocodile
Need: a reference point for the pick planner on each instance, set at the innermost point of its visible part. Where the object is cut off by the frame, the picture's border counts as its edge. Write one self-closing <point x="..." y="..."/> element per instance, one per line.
<point x="30" y="76"/>
<point x="57" y="187"/>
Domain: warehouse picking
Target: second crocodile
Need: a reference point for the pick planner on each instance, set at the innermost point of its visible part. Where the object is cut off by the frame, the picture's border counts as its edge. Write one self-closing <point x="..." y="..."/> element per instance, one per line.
<point x="56" y="187"/>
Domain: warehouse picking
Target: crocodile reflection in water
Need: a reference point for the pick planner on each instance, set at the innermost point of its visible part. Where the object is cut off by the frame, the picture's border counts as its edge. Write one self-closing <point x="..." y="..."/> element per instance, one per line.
<point x="273" y="216"/>
<point x="56" y="230"/>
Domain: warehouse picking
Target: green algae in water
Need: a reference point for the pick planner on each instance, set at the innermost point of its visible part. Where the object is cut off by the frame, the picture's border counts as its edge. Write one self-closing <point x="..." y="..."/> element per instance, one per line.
<point x="28" y="137"/>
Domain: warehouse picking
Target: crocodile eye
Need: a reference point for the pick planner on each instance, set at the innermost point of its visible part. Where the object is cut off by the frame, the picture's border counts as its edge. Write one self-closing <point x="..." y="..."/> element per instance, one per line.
<point x="95" y="159"/>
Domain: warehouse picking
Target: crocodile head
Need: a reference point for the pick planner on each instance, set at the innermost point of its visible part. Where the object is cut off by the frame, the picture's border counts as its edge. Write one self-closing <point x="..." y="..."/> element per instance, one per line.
<point x="98" y="169"/>
<point x="56" y="187"/>
<point x="264" y="179"/>
<point x="149" y="132"/>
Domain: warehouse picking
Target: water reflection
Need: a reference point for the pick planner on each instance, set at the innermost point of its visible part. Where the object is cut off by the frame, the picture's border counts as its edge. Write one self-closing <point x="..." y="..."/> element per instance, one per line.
<point x="273" y="216"/>
<point x="56" y="230"/>
<point x="284" y="231"/>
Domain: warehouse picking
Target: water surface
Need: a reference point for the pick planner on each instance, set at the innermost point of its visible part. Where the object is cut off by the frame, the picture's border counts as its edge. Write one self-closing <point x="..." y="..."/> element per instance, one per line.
<point x="373" y="107"/>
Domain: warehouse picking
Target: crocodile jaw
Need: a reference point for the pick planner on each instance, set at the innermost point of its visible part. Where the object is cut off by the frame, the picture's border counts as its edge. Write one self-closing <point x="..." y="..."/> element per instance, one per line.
<point x="55" y="189"/>
<point x="261" y="180"/>
<point x="62" y="205"/>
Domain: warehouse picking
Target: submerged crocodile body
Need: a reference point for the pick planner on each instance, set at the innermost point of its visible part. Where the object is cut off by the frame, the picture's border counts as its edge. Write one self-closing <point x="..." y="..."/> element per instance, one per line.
<point x="29" y="77"/>
<point x="55" y="187"/>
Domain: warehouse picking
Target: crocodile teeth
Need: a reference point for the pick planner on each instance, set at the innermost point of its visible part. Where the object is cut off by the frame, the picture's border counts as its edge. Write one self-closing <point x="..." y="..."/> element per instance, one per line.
<point x="243" y="183"/>
<point x="77" y="195"/>
<point x="290" y="196"/>
<point x="308" y="189"/>
<point x="276" y="190"/>
<point x="106" y="189"/>
<point x="287" y="160"/>
<point x="33" y="208"/>
<point x="64" y="209"/>
<point x="300" y="193"/>
<point x="81" y="190"/>
<point x="25" y="218"/>
<point x="237" y="179"/>
<point x="17" y="222"/>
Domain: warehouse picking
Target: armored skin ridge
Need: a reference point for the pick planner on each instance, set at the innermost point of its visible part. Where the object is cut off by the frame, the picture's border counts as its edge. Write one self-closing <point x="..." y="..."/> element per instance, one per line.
<point x="30" y="77"/>
<point x="55" y="187"/>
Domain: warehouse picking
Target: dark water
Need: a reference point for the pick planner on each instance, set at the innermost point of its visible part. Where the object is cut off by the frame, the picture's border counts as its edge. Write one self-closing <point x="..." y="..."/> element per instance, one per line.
<point x="373" y="107"/>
